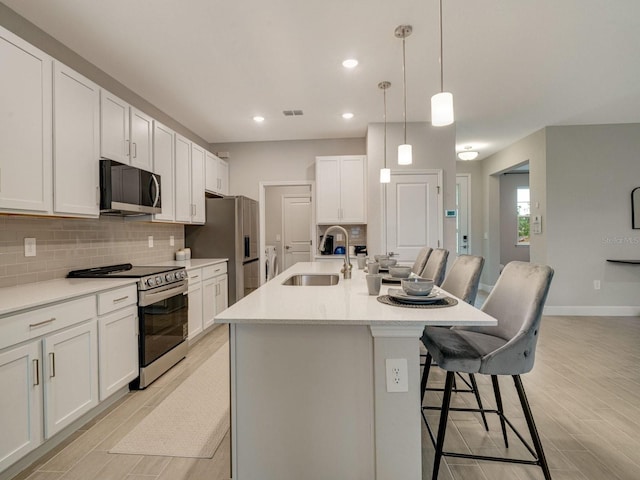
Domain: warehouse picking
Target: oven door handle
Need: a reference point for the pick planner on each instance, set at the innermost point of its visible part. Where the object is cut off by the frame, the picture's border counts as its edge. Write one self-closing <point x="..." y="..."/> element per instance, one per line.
<point x="148" y="297"/>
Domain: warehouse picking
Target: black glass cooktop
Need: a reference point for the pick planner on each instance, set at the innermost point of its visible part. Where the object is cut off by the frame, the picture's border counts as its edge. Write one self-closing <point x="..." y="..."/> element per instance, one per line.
<point x="125" y="270"/>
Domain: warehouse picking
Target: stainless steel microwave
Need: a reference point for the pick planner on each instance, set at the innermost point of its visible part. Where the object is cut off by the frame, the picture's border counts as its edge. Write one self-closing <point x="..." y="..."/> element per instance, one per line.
<point x="127" y="190"/>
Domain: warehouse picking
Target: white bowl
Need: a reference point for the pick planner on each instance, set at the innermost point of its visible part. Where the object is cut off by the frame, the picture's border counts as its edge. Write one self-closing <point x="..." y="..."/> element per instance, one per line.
<point x="400" y="271"/>
<point x="379" y="257"/>
<point x="417" y="286"/>
<point x="387" y="262"/>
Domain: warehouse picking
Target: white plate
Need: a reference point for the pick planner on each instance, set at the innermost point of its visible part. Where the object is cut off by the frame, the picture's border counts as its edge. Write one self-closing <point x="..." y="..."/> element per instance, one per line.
<point x="401" y="296"/>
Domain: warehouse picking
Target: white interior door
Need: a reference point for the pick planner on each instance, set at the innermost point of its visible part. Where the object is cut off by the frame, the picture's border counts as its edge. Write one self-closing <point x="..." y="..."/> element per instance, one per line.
<point x="413" y="221"/>
<point x="296" y="218"/>
<point x="463" y="244"/>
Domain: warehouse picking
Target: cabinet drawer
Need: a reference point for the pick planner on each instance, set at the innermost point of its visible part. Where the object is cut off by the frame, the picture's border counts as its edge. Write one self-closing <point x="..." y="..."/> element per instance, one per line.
<point x="32" y="324"/>
<point x="116" y="299"/>
<point x="214" y="270"/>
<point x="195" y="275"/>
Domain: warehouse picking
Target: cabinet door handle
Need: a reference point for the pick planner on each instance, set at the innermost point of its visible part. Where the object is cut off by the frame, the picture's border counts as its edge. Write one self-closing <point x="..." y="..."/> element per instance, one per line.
<point x="121" y="299"/>
<point x="36" y="372"/>
<point x="52" y="360"/>
<point x="135" y="150"/>
<point x="128" y="149"/>
<point x="195" y="276"/>
<point x="41" y="324"/>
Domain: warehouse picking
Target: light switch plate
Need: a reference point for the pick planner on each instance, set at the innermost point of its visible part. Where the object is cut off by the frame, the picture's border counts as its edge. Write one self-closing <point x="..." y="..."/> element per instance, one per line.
<point x="29" y="247"/>
<point x="172" y="241"/>
<point x="150" y="241"/>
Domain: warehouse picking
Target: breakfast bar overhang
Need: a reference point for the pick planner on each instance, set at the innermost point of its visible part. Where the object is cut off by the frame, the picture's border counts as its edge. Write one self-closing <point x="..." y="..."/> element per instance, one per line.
<point x="309" y="392"/>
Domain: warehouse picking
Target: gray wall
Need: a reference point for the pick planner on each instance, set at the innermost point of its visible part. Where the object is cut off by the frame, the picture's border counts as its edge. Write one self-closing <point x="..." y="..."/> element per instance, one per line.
<point x="591" y="172"/>
<point x="475" y="170"/>
<point x="253" y="162"/>
<point x="509" y="251"/>
<point x="433" y="148"/>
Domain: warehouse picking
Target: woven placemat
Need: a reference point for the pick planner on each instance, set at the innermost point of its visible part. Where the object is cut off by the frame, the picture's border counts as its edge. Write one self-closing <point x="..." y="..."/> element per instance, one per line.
<point x="445" y="302"/>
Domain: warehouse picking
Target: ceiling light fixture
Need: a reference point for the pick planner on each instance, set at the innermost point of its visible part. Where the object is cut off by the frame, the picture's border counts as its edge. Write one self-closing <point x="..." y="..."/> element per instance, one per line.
<point x="468" y="154"/>
<point x="350" y="63"/>
<point x="347" y="115"/>
<point x="441" y="103"/>
<point x="404" y="150"/>
<point x="258" y="119"/>
<point x="385" y="173"/>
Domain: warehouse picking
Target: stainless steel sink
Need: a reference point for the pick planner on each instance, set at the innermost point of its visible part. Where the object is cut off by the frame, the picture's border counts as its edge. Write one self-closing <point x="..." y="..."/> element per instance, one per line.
<point x="312" y="279"/>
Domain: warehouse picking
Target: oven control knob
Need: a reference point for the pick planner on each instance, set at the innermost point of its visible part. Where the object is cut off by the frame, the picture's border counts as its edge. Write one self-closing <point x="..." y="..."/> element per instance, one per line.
<point x="168" y="277"/>
<point x="158" y="280"/>
<point x="181" y="275"/>
<point x="151" y="282"/>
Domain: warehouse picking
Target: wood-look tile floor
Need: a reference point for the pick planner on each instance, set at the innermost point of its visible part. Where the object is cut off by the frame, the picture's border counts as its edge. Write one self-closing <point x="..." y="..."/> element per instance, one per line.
<point x="584" y="392"/>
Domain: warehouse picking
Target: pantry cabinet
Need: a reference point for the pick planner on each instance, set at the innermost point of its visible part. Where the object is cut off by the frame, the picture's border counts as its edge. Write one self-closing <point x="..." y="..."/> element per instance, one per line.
<point x="341" y="189"/>
<point x="25" y="127"/>
<point x="21" y="411"/>
<point x="76" y="152"/>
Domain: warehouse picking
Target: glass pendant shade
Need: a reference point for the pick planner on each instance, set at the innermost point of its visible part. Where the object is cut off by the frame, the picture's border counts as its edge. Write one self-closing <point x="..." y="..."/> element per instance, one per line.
<point x="385" y="175"/>
<point x="405" y="156"/>
<point x="442" y="109"/>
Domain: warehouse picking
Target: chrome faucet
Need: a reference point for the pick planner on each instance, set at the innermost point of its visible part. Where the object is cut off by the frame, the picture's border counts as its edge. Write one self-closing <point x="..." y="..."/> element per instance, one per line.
<point x="346" y="269"/>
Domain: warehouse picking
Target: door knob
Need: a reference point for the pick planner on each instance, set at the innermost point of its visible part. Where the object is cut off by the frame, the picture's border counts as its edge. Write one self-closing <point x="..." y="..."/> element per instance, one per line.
<point x="287" y="247"/>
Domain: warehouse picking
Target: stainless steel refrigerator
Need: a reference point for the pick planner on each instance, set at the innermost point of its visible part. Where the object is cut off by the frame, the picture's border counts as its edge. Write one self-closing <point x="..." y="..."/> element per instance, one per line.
<point x="230" y="231"/>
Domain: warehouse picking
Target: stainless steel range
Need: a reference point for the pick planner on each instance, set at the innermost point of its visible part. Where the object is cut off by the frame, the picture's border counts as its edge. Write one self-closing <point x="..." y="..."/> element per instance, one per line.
<point x="162" y="313"/>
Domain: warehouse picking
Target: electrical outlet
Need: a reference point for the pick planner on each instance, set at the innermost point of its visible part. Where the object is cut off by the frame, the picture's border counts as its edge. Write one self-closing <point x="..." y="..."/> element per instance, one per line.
<point x="172" y="241"/>
<point x="596" y="284"/>
<point x="150" y="241"/>
<point x="397" y="375"/>
<point x="29" y="247"/>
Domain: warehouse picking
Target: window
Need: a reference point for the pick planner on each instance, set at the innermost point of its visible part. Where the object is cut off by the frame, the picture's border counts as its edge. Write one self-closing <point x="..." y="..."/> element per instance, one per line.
<point x="523" y="206"/>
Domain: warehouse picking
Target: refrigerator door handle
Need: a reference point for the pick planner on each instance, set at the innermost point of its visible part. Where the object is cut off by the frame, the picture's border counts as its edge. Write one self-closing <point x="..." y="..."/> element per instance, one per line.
<point x="246" y="246"/>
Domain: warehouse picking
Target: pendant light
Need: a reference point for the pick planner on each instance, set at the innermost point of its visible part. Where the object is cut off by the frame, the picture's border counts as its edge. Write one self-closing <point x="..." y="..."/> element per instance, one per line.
<point x="441" y="103"/>
<point x="385" y="173"/>
<point x="404" y="150"/>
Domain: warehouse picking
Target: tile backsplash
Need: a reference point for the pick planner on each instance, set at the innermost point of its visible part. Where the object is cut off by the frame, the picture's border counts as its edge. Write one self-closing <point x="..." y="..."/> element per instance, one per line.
<point x="64" y="244"/>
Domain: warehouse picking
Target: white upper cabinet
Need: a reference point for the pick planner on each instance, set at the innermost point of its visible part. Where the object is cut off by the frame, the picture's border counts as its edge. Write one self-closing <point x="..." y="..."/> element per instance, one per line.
<point x="217" y="175"/>
<point x="197" y="184"/>
<point x="25" y="127"/>
<point x="76" y="153"/>
<point x="182" y="179"/>
<point x="126" y="133"/>
<point x="141" y="139"/>
<point x="341" y="189"/>
<point x="114" y="128"/>
<point x="163" y="165"/>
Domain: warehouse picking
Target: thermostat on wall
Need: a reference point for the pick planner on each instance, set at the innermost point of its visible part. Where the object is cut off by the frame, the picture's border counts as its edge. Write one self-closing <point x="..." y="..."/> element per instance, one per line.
<point x="450" y="213"/>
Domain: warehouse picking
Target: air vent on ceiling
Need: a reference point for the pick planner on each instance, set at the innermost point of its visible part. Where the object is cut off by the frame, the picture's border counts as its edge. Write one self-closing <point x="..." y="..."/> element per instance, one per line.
<point x="292" y="113"/>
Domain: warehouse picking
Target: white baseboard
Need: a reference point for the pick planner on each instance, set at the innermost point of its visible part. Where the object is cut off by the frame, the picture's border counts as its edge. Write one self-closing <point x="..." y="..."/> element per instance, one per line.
<point x="593" y="310"/>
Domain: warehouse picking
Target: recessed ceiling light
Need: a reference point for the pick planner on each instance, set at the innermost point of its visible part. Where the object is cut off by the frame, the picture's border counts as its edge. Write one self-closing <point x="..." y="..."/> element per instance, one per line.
<point x="350" y="63"/>
<point x="258" y="119"/>
<point x="347" y="115"/>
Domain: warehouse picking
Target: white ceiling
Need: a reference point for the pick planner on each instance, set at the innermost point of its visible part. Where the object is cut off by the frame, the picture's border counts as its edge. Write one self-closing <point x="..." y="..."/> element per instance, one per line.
<point x="513" y="66"/>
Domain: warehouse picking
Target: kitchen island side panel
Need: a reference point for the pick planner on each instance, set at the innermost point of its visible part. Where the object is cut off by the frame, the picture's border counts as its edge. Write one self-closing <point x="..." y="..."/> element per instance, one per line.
<point x="302" y="402"/>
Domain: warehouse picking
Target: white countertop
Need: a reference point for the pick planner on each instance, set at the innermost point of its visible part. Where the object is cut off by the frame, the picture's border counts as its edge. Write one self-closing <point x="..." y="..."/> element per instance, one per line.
<point x="31" y="295"/>
<point x="347" y="303"/>
<point x="193" y="263"/>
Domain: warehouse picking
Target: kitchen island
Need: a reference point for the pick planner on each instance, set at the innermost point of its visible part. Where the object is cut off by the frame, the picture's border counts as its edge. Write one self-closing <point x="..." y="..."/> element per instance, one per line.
<point x="309" y="392"/>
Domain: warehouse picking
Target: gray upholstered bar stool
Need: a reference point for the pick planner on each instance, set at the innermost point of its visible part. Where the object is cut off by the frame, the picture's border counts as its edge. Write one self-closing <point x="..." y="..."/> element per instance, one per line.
<point x="462" y="280"/>
<point x="436" y="266"/>
<point x="421" y="260"/>
<point x="516" y="301"/>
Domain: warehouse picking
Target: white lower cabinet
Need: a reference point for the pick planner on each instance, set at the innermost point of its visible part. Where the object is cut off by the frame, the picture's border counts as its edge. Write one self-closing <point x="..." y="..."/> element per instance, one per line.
<point x="208" y="296"/>
<point x="195" y="302"/>
<point x="20" y="402"/>
<point x="70" y="374"/>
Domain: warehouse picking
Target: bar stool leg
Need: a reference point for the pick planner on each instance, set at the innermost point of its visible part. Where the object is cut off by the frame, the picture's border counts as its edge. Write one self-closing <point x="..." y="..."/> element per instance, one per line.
<point x="474" y="386"/>
<point x="446" y="401"/>
<point x="537" y="444"/>
<point x="496" y="391"/>
<point x="425" y="377"/>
